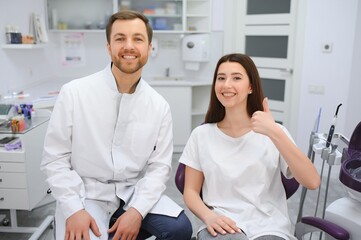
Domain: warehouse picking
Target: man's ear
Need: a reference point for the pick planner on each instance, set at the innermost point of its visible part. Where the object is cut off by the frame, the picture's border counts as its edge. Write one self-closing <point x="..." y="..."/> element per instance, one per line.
<point x="108" y="47"/>
<point x="150" y="48"/>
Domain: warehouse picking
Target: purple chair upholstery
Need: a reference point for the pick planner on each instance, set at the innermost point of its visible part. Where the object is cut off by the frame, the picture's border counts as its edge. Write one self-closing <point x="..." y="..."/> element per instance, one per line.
<point x="320" y="224"/>
<point x="180" y="177"/>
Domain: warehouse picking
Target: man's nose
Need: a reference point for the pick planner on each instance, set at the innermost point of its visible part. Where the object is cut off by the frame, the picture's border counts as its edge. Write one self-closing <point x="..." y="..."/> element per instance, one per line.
<point x="129" y="44"/>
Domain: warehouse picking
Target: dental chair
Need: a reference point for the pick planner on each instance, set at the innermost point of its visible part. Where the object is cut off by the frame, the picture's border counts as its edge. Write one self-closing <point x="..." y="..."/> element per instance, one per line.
<point x="308" y="224"/>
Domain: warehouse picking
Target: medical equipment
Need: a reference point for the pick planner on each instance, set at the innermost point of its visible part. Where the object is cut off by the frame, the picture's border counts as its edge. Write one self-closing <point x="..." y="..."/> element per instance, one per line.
<point x="346" y="212"/>
<point x="332" y="128"/>
<point x="342" y="218"/>
<point x="321" y="144"/>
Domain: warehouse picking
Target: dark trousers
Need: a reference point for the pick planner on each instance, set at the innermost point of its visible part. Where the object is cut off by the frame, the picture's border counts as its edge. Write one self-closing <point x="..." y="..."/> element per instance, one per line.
<point x="161" y="226"/>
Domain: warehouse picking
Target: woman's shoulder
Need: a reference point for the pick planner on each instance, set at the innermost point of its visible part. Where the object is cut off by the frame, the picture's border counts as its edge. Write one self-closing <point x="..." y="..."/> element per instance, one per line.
<point x="204" y="127"/>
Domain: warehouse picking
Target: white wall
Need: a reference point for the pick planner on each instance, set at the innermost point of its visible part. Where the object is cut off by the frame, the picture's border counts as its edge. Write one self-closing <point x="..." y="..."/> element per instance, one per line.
<point x="337" y="72"/>
<point x="21" y="68"/>
<point x="353" y="111"/>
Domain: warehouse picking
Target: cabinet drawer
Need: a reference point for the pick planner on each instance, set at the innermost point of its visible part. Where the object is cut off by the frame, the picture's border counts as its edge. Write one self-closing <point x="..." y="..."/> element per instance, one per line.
<point x="12" y="180"/>
<point x="12" y="167"/>
<point x="12" y="156"/>
<point x="14" y="199"/>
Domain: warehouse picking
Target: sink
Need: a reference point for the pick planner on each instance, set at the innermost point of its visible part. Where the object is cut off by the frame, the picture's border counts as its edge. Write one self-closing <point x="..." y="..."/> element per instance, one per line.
<point x="175" y="78"/>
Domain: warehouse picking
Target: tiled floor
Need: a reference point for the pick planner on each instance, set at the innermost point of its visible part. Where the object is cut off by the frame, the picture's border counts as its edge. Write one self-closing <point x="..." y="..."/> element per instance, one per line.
<point x="35" y="217"/>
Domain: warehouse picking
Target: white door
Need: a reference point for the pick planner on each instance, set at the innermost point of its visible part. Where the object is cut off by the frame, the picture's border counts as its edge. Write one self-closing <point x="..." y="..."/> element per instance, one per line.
<point x="265" y="31"/>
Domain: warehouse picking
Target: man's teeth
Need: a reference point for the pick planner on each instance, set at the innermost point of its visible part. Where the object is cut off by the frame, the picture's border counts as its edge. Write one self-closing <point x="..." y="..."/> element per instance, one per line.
<point x="129" y="57"/>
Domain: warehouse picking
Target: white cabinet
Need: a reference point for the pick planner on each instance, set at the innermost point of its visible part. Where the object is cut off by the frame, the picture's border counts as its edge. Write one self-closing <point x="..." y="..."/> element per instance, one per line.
<point x="164" y="15"/>
<point x="22" y="184"/>
<point x="78" y="14"/>
<point x="198" y="15"/>
<point x="188" y="102"/>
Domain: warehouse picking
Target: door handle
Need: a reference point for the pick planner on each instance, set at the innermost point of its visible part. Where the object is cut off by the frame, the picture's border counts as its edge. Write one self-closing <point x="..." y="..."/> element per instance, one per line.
<point x="287" y="70"/>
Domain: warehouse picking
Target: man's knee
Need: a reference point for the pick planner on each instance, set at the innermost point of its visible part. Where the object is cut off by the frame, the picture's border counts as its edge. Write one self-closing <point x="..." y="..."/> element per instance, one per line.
<point x="182" y="230"/>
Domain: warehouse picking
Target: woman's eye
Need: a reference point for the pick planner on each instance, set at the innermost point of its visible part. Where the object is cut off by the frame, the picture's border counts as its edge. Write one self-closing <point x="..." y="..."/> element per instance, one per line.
<point x="220" y="78"/>
<point x="237" y="78"/>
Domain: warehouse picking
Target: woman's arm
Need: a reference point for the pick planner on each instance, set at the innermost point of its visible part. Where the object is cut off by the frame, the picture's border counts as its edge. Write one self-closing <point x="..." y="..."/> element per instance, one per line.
<point x="192" y="190"/>
<point x="299" y="164"/>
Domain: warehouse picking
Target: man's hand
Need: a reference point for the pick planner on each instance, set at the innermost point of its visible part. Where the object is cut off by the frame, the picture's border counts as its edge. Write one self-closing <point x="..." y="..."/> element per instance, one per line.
<point x="127" y="225"/>
<point x="77" y="226"/>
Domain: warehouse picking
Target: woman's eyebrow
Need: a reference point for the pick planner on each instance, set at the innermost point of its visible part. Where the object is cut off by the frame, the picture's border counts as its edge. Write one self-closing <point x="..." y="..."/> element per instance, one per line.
<point x="236" y="73"/>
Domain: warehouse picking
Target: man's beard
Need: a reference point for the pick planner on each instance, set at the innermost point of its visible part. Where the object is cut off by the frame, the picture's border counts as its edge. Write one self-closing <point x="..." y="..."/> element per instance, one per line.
<point x="128" y="69"/>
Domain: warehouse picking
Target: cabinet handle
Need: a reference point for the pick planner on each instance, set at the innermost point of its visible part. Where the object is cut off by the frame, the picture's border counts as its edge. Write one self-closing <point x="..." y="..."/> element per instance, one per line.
<point x="2" y="198"/>
<point x="1" y="180"/>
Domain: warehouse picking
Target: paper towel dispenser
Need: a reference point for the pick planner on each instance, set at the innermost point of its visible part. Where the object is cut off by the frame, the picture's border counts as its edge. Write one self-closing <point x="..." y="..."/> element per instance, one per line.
<point x="196" y="48"/>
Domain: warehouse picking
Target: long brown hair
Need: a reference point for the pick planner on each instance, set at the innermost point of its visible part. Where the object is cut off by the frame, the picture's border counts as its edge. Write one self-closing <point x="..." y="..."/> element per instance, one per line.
<point x="216" y="110"/>
<point x="128" y="15"/>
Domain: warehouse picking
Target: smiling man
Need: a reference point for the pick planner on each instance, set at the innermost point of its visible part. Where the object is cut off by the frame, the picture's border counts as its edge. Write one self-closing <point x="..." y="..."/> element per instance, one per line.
<point x="109" y="146"/>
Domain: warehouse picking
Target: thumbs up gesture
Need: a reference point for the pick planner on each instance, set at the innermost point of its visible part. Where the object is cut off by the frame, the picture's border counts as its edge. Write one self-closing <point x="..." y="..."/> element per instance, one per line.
<point x="262" y="121"/>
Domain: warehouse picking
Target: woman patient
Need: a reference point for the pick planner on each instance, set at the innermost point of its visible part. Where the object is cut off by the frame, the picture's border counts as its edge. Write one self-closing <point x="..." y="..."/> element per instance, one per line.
<point x="235" y="159"/>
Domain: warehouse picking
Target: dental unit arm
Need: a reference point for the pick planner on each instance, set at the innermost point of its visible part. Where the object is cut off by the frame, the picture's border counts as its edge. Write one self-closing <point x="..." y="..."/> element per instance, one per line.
<point x="328" y="146"/>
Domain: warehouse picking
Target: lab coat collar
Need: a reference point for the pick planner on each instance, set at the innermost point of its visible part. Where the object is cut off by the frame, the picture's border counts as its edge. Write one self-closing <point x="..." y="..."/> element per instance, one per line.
<point x="111" y="82"/>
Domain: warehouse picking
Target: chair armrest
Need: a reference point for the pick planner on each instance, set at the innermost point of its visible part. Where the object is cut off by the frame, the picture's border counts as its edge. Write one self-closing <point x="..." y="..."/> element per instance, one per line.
<point x="319" y="224"/>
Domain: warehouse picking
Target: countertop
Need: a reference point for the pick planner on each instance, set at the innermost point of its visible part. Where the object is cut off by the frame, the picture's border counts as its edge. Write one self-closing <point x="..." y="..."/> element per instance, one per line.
<point x="44" y="94"/>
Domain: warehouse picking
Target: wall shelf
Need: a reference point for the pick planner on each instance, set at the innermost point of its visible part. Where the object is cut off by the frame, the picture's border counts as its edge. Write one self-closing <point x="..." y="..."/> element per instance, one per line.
<point x="166" y="16"/>
<point x="22" y="46"/>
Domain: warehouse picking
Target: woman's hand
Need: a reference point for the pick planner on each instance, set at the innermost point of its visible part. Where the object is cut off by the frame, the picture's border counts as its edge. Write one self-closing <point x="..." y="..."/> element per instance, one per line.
<point x="221" y="224"/>
<point x="262" y="121"/>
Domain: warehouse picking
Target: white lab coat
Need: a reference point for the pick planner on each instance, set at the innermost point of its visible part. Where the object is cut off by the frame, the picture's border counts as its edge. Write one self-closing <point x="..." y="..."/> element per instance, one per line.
<point x="103" y="145"/>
